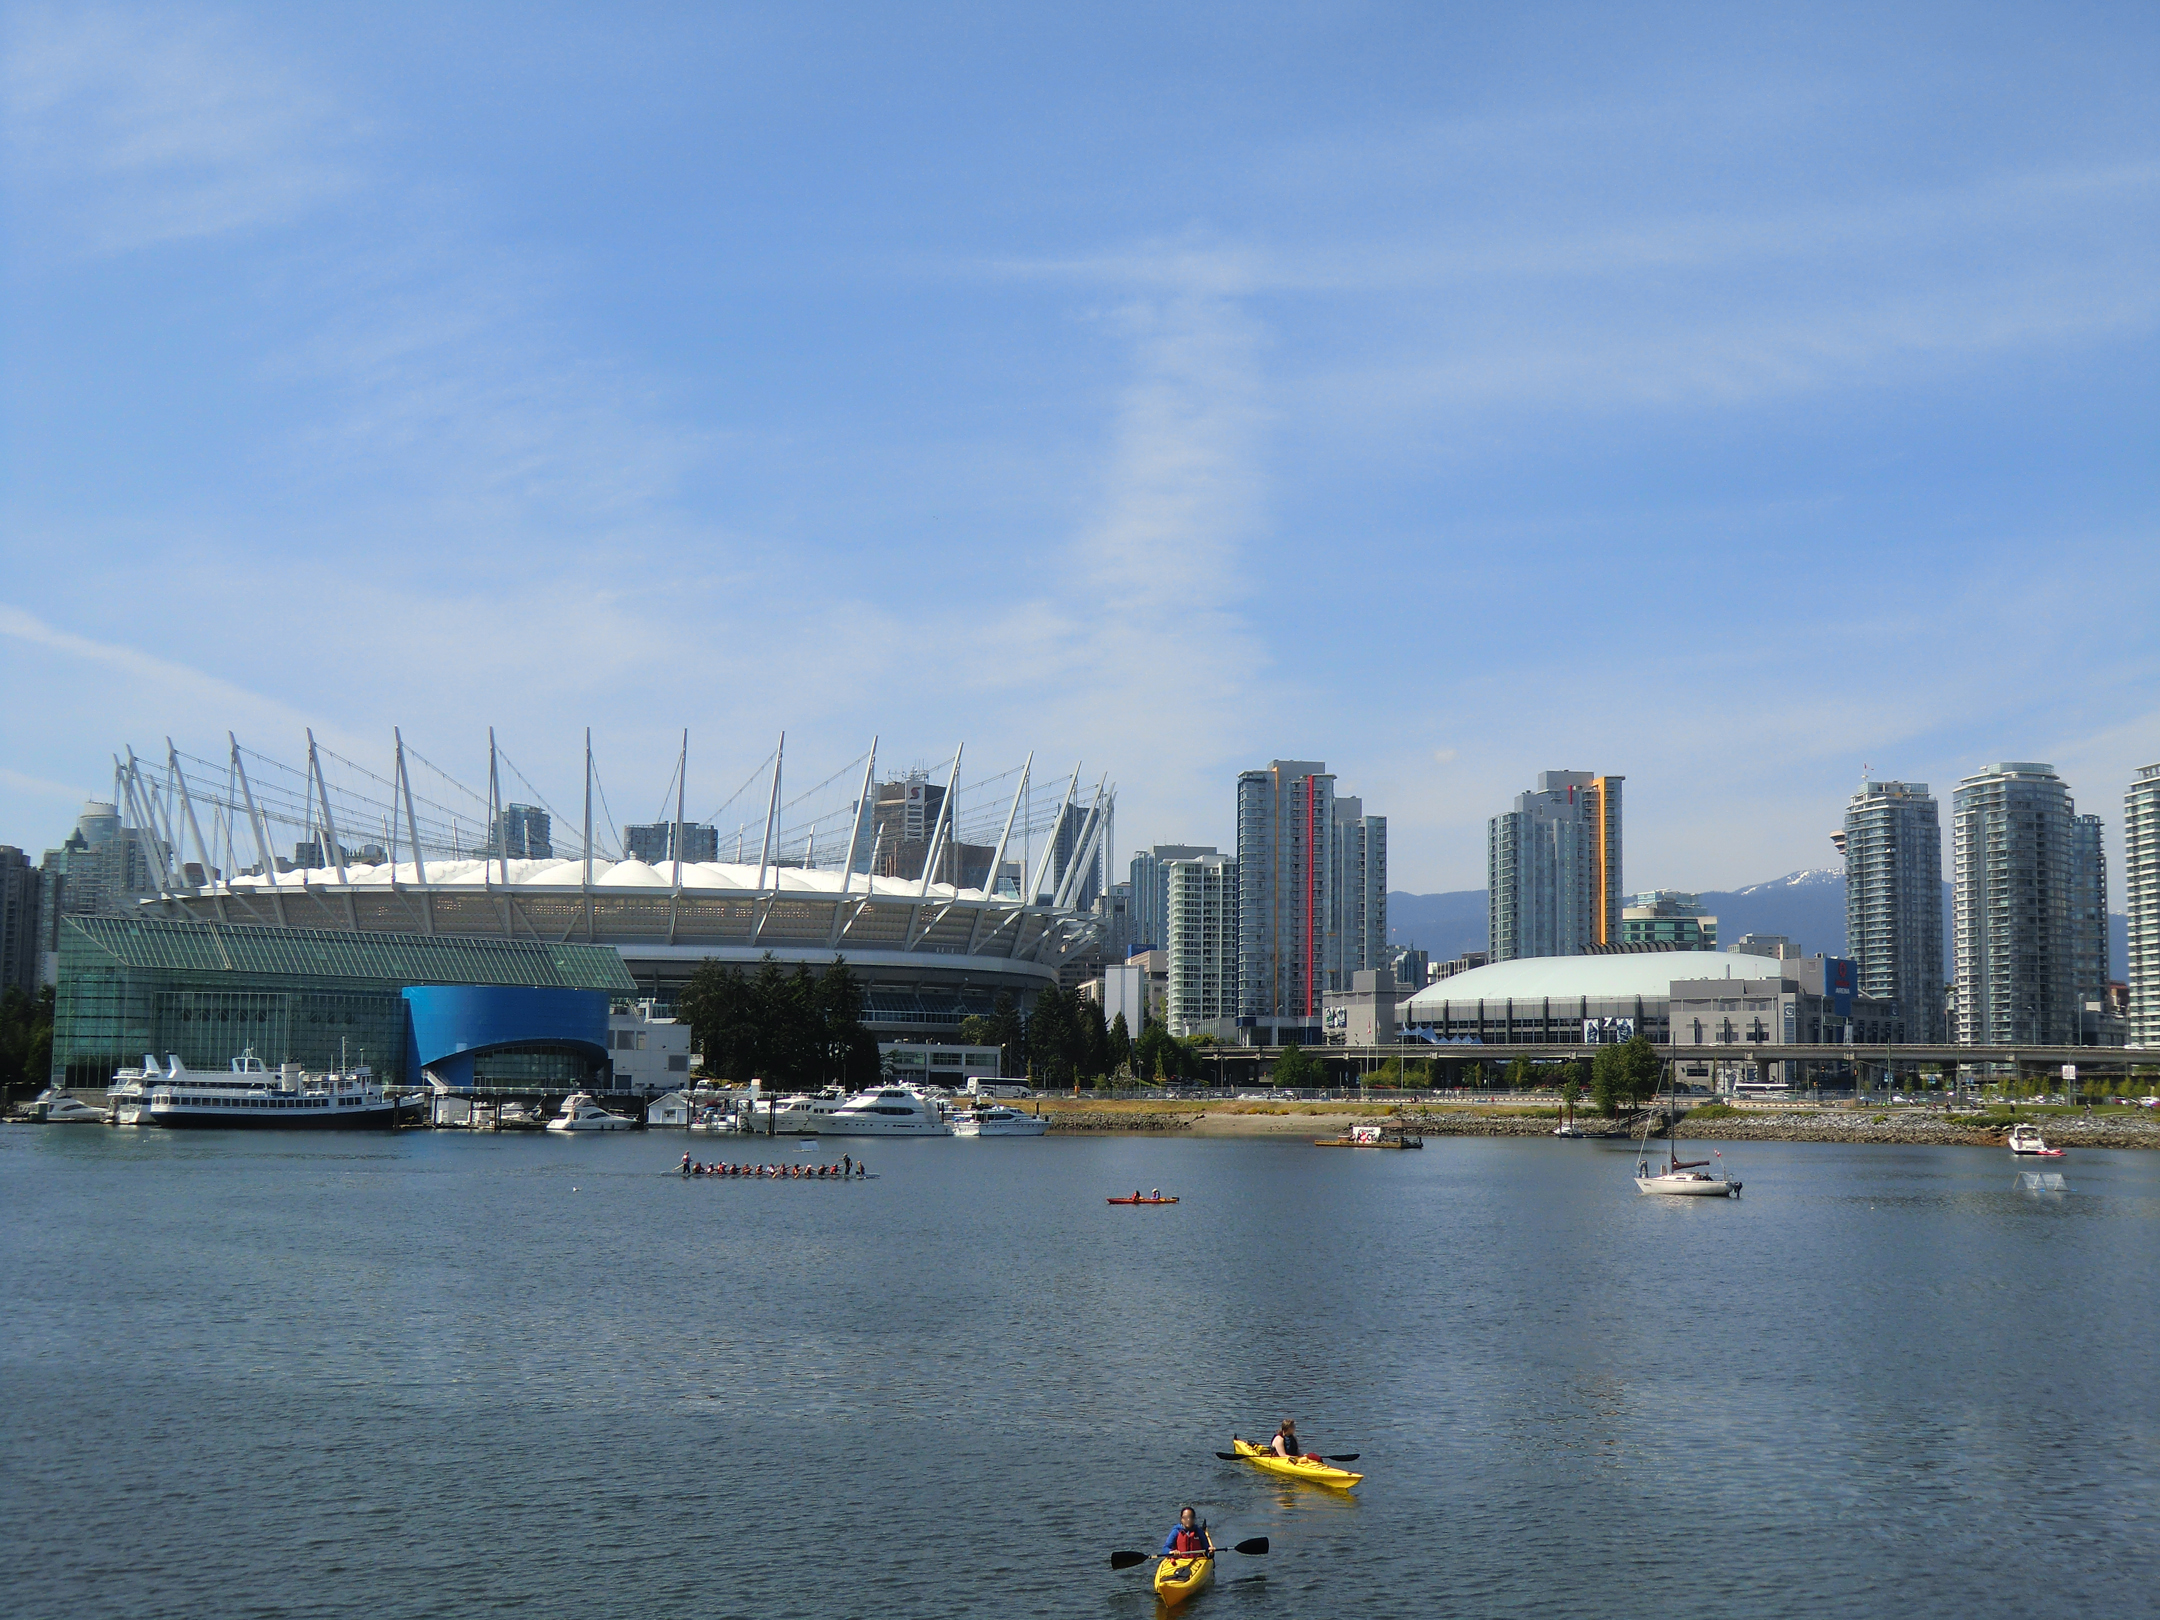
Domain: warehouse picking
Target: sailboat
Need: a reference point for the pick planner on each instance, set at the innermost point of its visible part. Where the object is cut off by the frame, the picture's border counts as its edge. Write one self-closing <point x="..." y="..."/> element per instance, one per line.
<point x="1681" y="1178"/>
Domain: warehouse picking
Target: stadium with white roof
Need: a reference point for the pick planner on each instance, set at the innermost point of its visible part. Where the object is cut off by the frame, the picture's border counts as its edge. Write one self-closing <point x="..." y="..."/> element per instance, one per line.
<point x="939" y="893"/>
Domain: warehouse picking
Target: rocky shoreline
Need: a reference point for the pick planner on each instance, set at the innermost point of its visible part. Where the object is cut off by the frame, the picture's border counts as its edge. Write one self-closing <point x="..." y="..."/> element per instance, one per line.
<point x="1890" y="1127"/>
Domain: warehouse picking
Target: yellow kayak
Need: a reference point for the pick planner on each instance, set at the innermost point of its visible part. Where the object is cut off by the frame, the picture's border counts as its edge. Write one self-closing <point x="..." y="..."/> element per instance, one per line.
<point x="1177" y="1579"/>
<point x="1312" y="1472"/>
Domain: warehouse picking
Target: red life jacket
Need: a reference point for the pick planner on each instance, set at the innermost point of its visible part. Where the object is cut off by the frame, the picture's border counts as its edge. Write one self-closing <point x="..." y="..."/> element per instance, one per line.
<point x="1190" y="1541"/>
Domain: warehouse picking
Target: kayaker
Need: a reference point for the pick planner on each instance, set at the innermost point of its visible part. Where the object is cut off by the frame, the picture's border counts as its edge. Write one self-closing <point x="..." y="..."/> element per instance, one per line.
<point x="1188" y="1537"/>
<point x="686" y="1164"/>
<point x="1286" y="1443"/>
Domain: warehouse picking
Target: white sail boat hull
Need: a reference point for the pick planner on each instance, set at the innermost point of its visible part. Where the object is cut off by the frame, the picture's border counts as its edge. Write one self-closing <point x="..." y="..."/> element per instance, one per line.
<point x="1687" y="1186"/>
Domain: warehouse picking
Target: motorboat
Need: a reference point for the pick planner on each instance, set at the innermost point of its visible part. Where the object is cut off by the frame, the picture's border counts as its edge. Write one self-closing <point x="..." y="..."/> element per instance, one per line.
<point x="515" y="1116"/>
<point x="998" y="1120"/>
<point x="886" y="1111"/>
<point x="1567" y="1126"/>
<point x="714" y="1118"/>
<point x="127" y="1098"/>
<point x="57" y="1106"/>
<point x="1681" y="1178"/>
<point x="2027" y="1143"/>
<point x="799" y="1115"/>
<point x="250" y="1095"/>
<point x="581" y="1113"/>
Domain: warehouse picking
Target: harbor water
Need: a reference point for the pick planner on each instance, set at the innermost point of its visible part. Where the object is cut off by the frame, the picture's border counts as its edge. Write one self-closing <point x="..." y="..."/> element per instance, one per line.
<point x="442" y="1374"/>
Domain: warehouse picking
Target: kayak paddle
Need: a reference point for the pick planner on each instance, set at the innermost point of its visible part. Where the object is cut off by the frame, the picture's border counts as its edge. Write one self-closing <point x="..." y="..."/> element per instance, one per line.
<point x="1231" y="1456"/>
<point x="1125" y="1560"/>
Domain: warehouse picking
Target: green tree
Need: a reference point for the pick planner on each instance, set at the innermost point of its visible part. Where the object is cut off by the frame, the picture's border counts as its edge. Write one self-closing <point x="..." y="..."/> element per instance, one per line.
<point x="1640" y="1069"/>
<point x="1606" y="1081"/>
<point x="1050" y="1038"/>
<point x="1626" y="1073"/>
<point x="1010" y="1029"/>
<point x="26" y="1040"/>
<point x="1091" y="1040"/>
<point x="1522" y="1075"/>
<point x="1120" y="1053"/>
<point x="1294" y="1071"/>
<point x="799" y="1028"/>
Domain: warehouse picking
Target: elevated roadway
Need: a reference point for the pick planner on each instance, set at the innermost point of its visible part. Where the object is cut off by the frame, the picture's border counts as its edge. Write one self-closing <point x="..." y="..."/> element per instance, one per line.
<point x="1898" y="1059"/>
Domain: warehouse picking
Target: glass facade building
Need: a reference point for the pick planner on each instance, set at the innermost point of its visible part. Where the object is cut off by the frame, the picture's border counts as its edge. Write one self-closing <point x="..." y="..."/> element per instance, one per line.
<point x="2013" y="839"/>
<point x="209" y="991"/>
<point x="1892" y="843"/>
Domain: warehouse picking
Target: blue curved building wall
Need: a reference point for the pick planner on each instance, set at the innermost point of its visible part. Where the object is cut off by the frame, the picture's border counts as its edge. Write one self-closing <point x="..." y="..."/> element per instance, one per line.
<point x="448" y="1026"/>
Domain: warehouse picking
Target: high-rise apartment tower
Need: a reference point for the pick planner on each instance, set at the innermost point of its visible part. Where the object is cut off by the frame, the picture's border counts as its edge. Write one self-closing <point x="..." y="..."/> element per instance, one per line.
<point x="1892" y="843"/>
<point x="1151" y="891"/>
<point x="1357" y="935"/>
<point x="1552" y="868"/>
<point x="2013" y="838"/>
<point x="1202" y="927"/>
<point x="2141" y="880"/>
<point x="18" y="921"/>
<point x="1285" y="838"/>
<point x="2088" y="926"/>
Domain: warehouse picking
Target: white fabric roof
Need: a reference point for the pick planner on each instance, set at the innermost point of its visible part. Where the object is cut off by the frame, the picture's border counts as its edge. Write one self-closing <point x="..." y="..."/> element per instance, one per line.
<point x="1601" y="978"/>
<point x="704" y="877"/>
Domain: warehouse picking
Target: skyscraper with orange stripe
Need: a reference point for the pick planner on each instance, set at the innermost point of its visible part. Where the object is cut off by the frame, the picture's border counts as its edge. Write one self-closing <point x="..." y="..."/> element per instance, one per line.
<point x="1553" y="869"/>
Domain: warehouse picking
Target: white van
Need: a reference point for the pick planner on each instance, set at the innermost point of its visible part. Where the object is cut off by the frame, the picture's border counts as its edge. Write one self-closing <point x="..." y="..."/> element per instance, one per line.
<point x="989" y="1085"/>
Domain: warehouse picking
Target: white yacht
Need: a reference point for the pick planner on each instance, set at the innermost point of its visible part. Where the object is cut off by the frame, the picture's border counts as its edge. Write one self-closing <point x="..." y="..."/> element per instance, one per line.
<point x="581" y="1113"/>
<point x="886" y="1111"/>
<point x="998" y="1120"/>
<point x="799" y="1115"/>
<point x="127" y="1099"/>
<point x="56" y="1106"/>
<point x="252" y="1096"/>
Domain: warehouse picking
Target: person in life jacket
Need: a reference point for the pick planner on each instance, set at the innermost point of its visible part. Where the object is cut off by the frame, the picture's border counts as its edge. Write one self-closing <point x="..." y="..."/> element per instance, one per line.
<point x="1285" y="1443"/>
<point x="1188" y="1538"/>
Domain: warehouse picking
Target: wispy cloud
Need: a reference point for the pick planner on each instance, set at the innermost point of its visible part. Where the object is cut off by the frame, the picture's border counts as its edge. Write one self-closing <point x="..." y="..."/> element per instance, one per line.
<point x="1146" y="641"/>
<point x="146" y="127"/>
<point x="180" y="687"/>
<point x="38" y="785"/>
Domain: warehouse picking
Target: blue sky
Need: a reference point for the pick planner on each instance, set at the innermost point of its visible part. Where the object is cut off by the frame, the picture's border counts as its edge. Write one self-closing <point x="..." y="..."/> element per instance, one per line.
<point x="1723" y="397"/>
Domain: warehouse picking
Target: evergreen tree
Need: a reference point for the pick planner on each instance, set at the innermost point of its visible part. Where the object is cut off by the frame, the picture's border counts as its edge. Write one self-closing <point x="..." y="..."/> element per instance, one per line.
<point x="1009" y="1032"/>
<point x="26" y="1040"/>
<point x="802" y="1028"/>
<point x="1091" y="1041"/>
<point x="1121" y="1048"/>
<point x="1050" y="1039"/>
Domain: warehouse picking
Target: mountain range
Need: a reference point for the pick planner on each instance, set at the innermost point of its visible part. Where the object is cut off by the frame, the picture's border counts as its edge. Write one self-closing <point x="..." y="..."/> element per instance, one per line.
<point x="1806" y="907"/>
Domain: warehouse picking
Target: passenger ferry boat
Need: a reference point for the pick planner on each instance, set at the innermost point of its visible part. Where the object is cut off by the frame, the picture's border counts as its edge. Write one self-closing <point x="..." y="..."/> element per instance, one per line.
<point x="886" y="1111"/>
<point x="252" y="1096"/>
